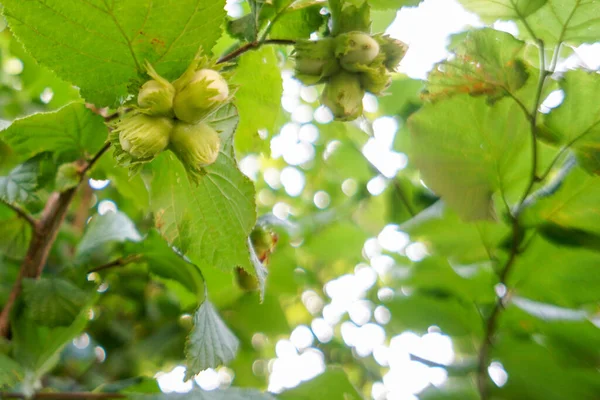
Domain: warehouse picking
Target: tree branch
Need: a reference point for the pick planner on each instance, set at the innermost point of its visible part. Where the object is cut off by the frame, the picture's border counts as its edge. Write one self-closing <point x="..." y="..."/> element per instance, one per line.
<point x="252" y="46"/>
<point x="21" y="213"/>
<point x="63" y="396"/>
<point x="42" y="239"/>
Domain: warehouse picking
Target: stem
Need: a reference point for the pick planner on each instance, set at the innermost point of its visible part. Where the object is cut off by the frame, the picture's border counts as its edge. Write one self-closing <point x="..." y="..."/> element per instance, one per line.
<point x="252" y="46"/>
<point x="63" y="395"/>
<point x="491" y="324"/>
<point x="403" y="198"/>
<point x="21" y="213"/>
<point x="119" y="262"/>
<point x="43" y="236"/>
<point x="492" y="320"/>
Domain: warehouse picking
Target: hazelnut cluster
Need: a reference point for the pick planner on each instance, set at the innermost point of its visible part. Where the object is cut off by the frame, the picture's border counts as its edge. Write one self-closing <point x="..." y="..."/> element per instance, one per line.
<point x="172" y="115"/>
<point x="349" y="64"/>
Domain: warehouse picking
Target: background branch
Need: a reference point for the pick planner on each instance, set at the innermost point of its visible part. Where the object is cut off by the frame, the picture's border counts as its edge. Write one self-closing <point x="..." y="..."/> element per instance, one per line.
<point x="63" y="395"/>
<point x="21" y="213"/>
<point x="42" y="238"/>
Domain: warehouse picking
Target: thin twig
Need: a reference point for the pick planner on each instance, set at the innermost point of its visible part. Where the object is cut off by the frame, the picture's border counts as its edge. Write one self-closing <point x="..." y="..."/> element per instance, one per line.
<point x="63" y="395"/>
<point x="119" y="262"/>
<point x="21" y="213"/>
<point x="252" y="46"/>
<point x="403" y="198"/>
<point x="95" y="159"/>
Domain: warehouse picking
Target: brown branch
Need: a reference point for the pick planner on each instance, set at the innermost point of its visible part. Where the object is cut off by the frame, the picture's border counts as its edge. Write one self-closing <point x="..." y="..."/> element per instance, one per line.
<point x="119" y="262"/>
<point x="63" y="395"/>
<point x="21" y="213"/>
<point x="42" y="239"/>
<point x="252" y="46"/>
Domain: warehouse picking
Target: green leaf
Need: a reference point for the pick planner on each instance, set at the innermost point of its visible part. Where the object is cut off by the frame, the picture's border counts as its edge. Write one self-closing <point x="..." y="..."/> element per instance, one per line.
<point x="467" y="150"/>
<point x="491" y="11"/>
<point x="333" y="384"/>
<point x="15" y="234"/>
<point x="392" y="4"/>
<point x="67" y="177"/>
<point x="568" y="333"/>
<point x="574" y="205"/>
<point x="165" y="262"/>
<point x="485" y="63"/>
<point x="37" y="347"/>
<point x="53" y="301"/>
<point x="403" y="98"/>
<point x="105" y="229"/>
<point x="231" y="393"/>
<point x="576" y="122"/>
<point x="533" y="369"/>
<point x="102" y="46"/>
<point x="247" y="317"/>
<point x="71" y="133"/>
<point x="445" y="234"/>
<point x="567" y="21"/>
<point x="20" y="183"/>
<point x="419" y="311"/>
<point x="11" y="372"/>
<point x="243" y="28"/>
<point x="210" y="343"/>
<point x="209" y="222"/>
<point x="259" y="97"/>
<point x="298" y="22"/>
<point x="260" y="271"/>
<point x="557" y="275"/>
<point x="348" y="15"/>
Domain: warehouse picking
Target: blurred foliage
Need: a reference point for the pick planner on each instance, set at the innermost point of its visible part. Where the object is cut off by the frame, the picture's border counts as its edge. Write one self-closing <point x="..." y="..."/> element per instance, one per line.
<point x="469" y="269"/>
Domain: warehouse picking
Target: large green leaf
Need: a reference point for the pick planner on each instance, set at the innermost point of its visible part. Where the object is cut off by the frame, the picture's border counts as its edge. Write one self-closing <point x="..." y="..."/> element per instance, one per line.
<point x="258" y="98"/>
<point x="210" y="222"/>
<point x="569" y="21"/>
<point x="466" y="150"/>
<point x="53" y="301"/>
<point x="333" y="384"/>
<point x="502" y="9"/>
<point x="485" y="63"/>
<point x="576" y="122"/>
<point x="71" y="133"/>
<point x="101" y="46"/>
<point x="20" y="183"/>
<point x="210" y="343"/>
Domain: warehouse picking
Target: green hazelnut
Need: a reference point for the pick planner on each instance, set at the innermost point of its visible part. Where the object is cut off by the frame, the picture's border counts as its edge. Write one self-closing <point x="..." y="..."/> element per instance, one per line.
<point x="204" y="92"/>
<point x="196" y="145"/>
<point x="143" y="136"/>
<point x="343" y="95"/>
